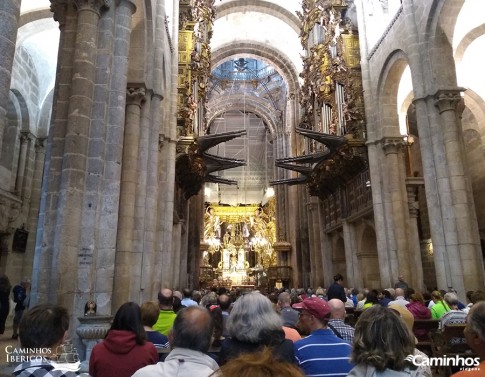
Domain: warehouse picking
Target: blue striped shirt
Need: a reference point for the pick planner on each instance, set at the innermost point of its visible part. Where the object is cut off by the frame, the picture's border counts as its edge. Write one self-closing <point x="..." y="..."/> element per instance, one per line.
<point x="323" y="354"/>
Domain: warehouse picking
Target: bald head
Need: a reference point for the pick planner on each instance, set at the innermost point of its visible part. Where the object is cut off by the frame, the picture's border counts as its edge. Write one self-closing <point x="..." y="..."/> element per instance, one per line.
<point x="338" y="309"/>
<point x="192" y="329"/>
<point x="165" y="298"/>
<point x="399" y="292"/>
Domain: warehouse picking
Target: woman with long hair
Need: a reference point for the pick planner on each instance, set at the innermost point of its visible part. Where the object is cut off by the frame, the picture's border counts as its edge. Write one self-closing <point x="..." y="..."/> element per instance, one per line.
<point x="382" y="344"/>
<point x="124" y="350"/>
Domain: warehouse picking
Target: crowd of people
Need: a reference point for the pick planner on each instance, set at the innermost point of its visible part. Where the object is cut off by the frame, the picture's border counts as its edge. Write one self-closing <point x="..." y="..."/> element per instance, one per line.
<point x="297" y="332"/>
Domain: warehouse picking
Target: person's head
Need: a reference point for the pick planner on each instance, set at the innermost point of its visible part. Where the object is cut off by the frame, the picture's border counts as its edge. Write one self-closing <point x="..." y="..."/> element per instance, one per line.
<point x="399" y="292"/>
<point x="314" y="314"/>
<point x="417" y="297"/>
<point x="43" y="325"/>
<point x="381" y="339"/>
<point x="165" y="298"/>
<point x="372" y="297"/>
<point x="251" y="316"/>
<point x="475" y="329"/>
<point x="149" y="313"/>
<point x="436" y="296"/>
<point x="338" y="279"/>
<point x="209" y="299"/>
<point x="385" y="293"/>
<point x="25" y="283"/>
<point x="177" y="304"/>
<point x="451" y="299"/>
<point x="477" y="296"/>
<point x="187" y="292"/>
<point x="192" y="328"/>
<point x="338" y="309"/>
<point x="224" y="302"/>
<point x="284" y="300"/>
<point x="258" y="364"/>
<point x="128" y="318"/>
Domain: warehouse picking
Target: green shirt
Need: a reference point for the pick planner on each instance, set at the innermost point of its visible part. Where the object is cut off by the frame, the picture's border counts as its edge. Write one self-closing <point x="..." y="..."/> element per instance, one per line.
<point x="164" y="321"/>
<point x="438" y="309"/>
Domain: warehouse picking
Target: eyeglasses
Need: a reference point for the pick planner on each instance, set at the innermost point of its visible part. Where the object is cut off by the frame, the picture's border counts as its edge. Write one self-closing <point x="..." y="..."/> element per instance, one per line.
<point x="301" y="314"/>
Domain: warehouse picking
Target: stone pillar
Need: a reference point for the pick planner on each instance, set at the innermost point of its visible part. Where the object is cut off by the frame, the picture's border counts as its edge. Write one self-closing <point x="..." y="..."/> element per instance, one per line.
<point x="25" y="138"/>
<point x="143" y="239"/>
<point x="9" y="17"/>
<point x="316" y="251"/>
<point x="127" y="261"/>
<point x="416" y="278"/>
<point x="354" y="277"/>
<point x="397" y="212"/>
<point x="459" y="215"/>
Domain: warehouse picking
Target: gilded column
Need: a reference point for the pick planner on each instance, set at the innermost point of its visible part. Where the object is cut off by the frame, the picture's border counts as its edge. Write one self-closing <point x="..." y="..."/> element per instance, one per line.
<point x="463" y="243"/>
<point x="9" y="16"/>
<point x="126" y="273"/>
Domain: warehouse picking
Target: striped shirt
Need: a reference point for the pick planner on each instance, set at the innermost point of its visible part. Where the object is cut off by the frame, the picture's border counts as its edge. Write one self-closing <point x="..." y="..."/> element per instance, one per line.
<point x="322" y="354"/>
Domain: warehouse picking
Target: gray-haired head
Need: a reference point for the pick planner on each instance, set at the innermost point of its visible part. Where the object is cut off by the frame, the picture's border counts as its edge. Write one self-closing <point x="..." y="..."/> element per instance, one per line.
<point x="476" y="319"/>
<point x="451" y="298"/>
<point x="251" y="315"/>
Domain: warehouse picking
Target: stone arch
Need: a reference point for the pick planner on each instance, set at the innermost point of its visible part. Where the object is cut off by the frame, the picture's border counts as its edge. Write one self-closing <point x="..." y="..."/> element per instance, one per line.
<point x="257" y="50"/>
<point x="256" y="106"/>
<point x="265" y="7"/>
<point x="34" y="15"/>
<point x="467" y="40"/>
<point x="388" y="86"/>
<point x="368" y="257"/>
<point x="439" y="36"/>
<point x="141" y="43"/>
<point x="45" y="116"/>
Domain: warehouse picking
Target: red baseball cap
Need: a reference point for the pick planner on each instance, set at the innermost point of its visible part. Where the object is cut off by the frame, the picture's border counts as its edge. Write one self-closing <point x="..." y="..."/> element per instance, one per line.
<point x="315" y="306"/>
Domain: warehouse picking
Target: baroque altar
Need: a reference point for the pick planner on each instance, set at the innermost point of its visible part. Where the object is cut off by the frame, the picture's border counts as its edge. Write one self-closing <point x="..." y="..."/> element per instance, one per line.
<point x="238" y="243"/>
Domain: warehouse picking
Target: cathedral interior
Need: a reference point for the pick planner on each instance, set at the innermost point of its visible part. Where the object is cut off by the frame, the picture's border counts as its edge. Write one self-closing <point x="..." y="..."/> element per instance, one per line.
<point x="253" y="143"/>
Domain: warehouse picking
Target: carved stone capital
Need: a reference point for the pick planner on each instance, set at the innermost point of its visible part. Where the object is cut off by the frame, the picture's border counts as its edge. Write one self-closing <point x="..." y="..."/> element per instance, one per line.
<point x="135" y="96"/>
<point x="25" y="137"/>
<point x="93" y="5"/>
<point x="39" y="144"/>
<point x="449" y="99"/>
<point x="392" y="145"/>
<point x="59" y="8"/>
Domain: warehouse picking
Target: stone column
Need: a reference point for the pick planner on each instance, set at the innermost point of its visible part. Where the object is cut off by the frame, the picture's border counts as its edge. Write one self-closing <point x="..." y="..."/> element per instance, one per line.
<point x="144" y="229"/>
<point x="9" y="17"/>
<point x="416" y="281"/>
<point x="315" y="230"/>
<point x="46" y="230"/>
<point x="127" y="261"/>
<point x="397" y="212"/>
<point x="462" y="239"/>
<point x="25" y="138"/>
<point x="354" y="277"/>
